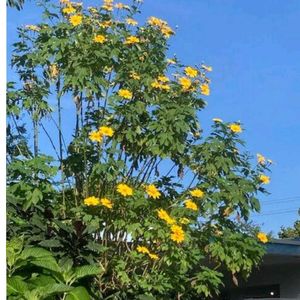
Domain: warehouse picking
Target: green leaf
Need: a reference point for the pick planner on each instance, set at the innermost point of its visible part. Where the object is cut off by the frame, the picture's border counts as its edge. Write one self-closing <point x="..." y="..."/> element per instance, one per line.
<point x="15" y="285"/>
<point x="78" y="293"/>
<point x="88" y="270"/>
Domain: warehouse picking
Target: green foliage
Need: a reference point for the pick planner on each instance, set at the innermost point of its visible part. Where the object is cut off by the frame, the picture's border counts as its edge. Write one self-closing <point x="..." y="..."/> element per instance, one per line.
<point x="72" y="232"/>
<point x="290" y="232"/>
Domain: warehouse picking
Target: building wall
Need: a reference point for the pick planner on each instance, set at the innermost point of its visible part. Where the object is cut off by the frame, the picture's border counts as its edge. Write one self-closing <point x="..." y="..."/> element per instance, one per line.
<point x="287" y="276"/>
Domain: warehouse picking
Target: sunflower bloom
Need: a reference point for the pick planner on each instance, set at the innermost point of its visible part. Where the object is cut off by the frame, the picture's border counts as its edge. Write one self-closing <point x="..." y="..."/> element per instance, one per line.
<point x="197" y="193"/>
<point x="131" y="21"/>
<point x="91" y="201"/>
<point x="177" y="234"/>
<point x="106" y="202"/>
<point x="121" y="6"/>
<point x="99" y="38"/>
<point x="126" y="94"/>
<point x="131" y="40"/>
<point x="142" y="249"/>
<point x="124" y="189"/>
<point x="260" y="159"/>
<point x="262" y="237"/>
<point x="68" y="10"/>
<point x="153" y="21"/>
<point x="185" y="83"/>
<point x="204" y="88"/>
<point x="191" y="72"/>
<point x="96" y="136"/>
<point x="236" y="128"/>
<point x="264" y="179"/>
<point x="152" y="191"/>
<point x="190" y="205"/>
<point x="76" y="20"/>
<point x="162" y="214"/>
<point x="106" y="131"/>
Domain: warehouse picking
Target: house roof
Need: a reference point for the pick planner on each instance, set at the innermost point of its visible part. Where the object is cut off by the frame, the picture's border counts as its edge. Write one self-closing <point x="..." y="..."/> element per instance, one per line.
<point x="285" y="247"/>
<point x="282" y="251"/>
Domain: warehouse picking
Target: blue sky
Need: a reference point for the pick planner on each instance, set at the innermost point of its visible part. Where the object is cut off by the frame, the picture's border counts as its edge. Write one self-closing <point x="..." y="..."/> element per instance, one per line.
<point x="254" y="49"/>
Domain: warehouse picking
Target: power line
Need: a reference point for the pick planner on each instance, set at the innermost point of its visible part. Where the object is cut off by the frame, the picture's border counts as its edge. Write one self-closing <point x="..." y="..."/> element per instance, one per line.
<point x="280" y="199"/>
<point x="294" y="210"/>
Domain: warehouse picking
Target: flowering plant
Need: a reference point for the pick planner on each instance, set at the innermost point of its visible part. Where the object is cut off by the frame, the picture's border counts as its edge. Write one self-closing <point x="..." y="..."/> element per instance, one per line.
<point x="140" y="191"/>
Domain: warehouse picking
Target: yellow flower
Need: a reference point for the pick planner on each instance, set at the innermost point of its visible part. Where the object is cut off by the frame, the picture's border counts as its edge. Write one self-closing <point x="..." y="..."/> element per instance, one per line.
<point x="105" y="24"/>
<point x="184" y="221"/>
<point x="121" y="6"/>
<point x="197" y="193"/>
<point x="32" y="27"/>
<point x="91" y="201"/>
<point x="205" y="89"/>
<point x="163" y="78"/>
<point x="76" y="20"/>
<point x="68" y="10"/>
<point x="152" y="191"/>
<point x="106" y="202"/>
<point x="96" y="136"/>
<point x="124" y="189"/>
<point x="131" y="21"/>
<point x="166" y="31"/>
<point x="236" y="128"/>
<point x="191" y="72"/>
<point x="217" y="120"/>
<point x="99" y="38"/>
<point x="153" y="256"/>
<point x="185" y="83"/>
<point x="162" y="214"/>
<point x="207" y="68"/>
<point x="126" y="94"/>
<point x="171" y="61"/>
<point x="134" y="75"/>
<point x="262" y="237"/>
<point x="131" y="40"/>
<point x="264" y="179"/>
<point x="142" y="249"/>
<point x="260" y="159"/>
<point x="191" y="205"/>
<point x="53" y="70"/>
<point x="108" y="5"/>
<point x="106" y="131"/>
<point x="157" y="85"/>
<point x="177" y="234"/>
<point x="156" y="21"/>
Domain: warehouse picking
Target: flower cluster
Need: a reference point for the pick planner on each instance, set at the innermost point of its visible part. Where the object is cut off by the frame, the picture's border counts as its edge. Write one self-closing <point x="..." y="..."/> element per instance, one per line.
<point x="162" y="25"/>
<point x="161" y="83"/>
<point x="97" y="136"/>
<point x="94" y="201"/>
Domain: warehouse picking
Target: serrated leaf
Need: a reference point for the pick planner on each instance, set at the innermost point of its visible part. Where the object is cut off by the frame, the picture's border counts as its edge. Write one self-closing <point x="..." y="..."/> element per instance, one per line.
<point x="78" y="293"/>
